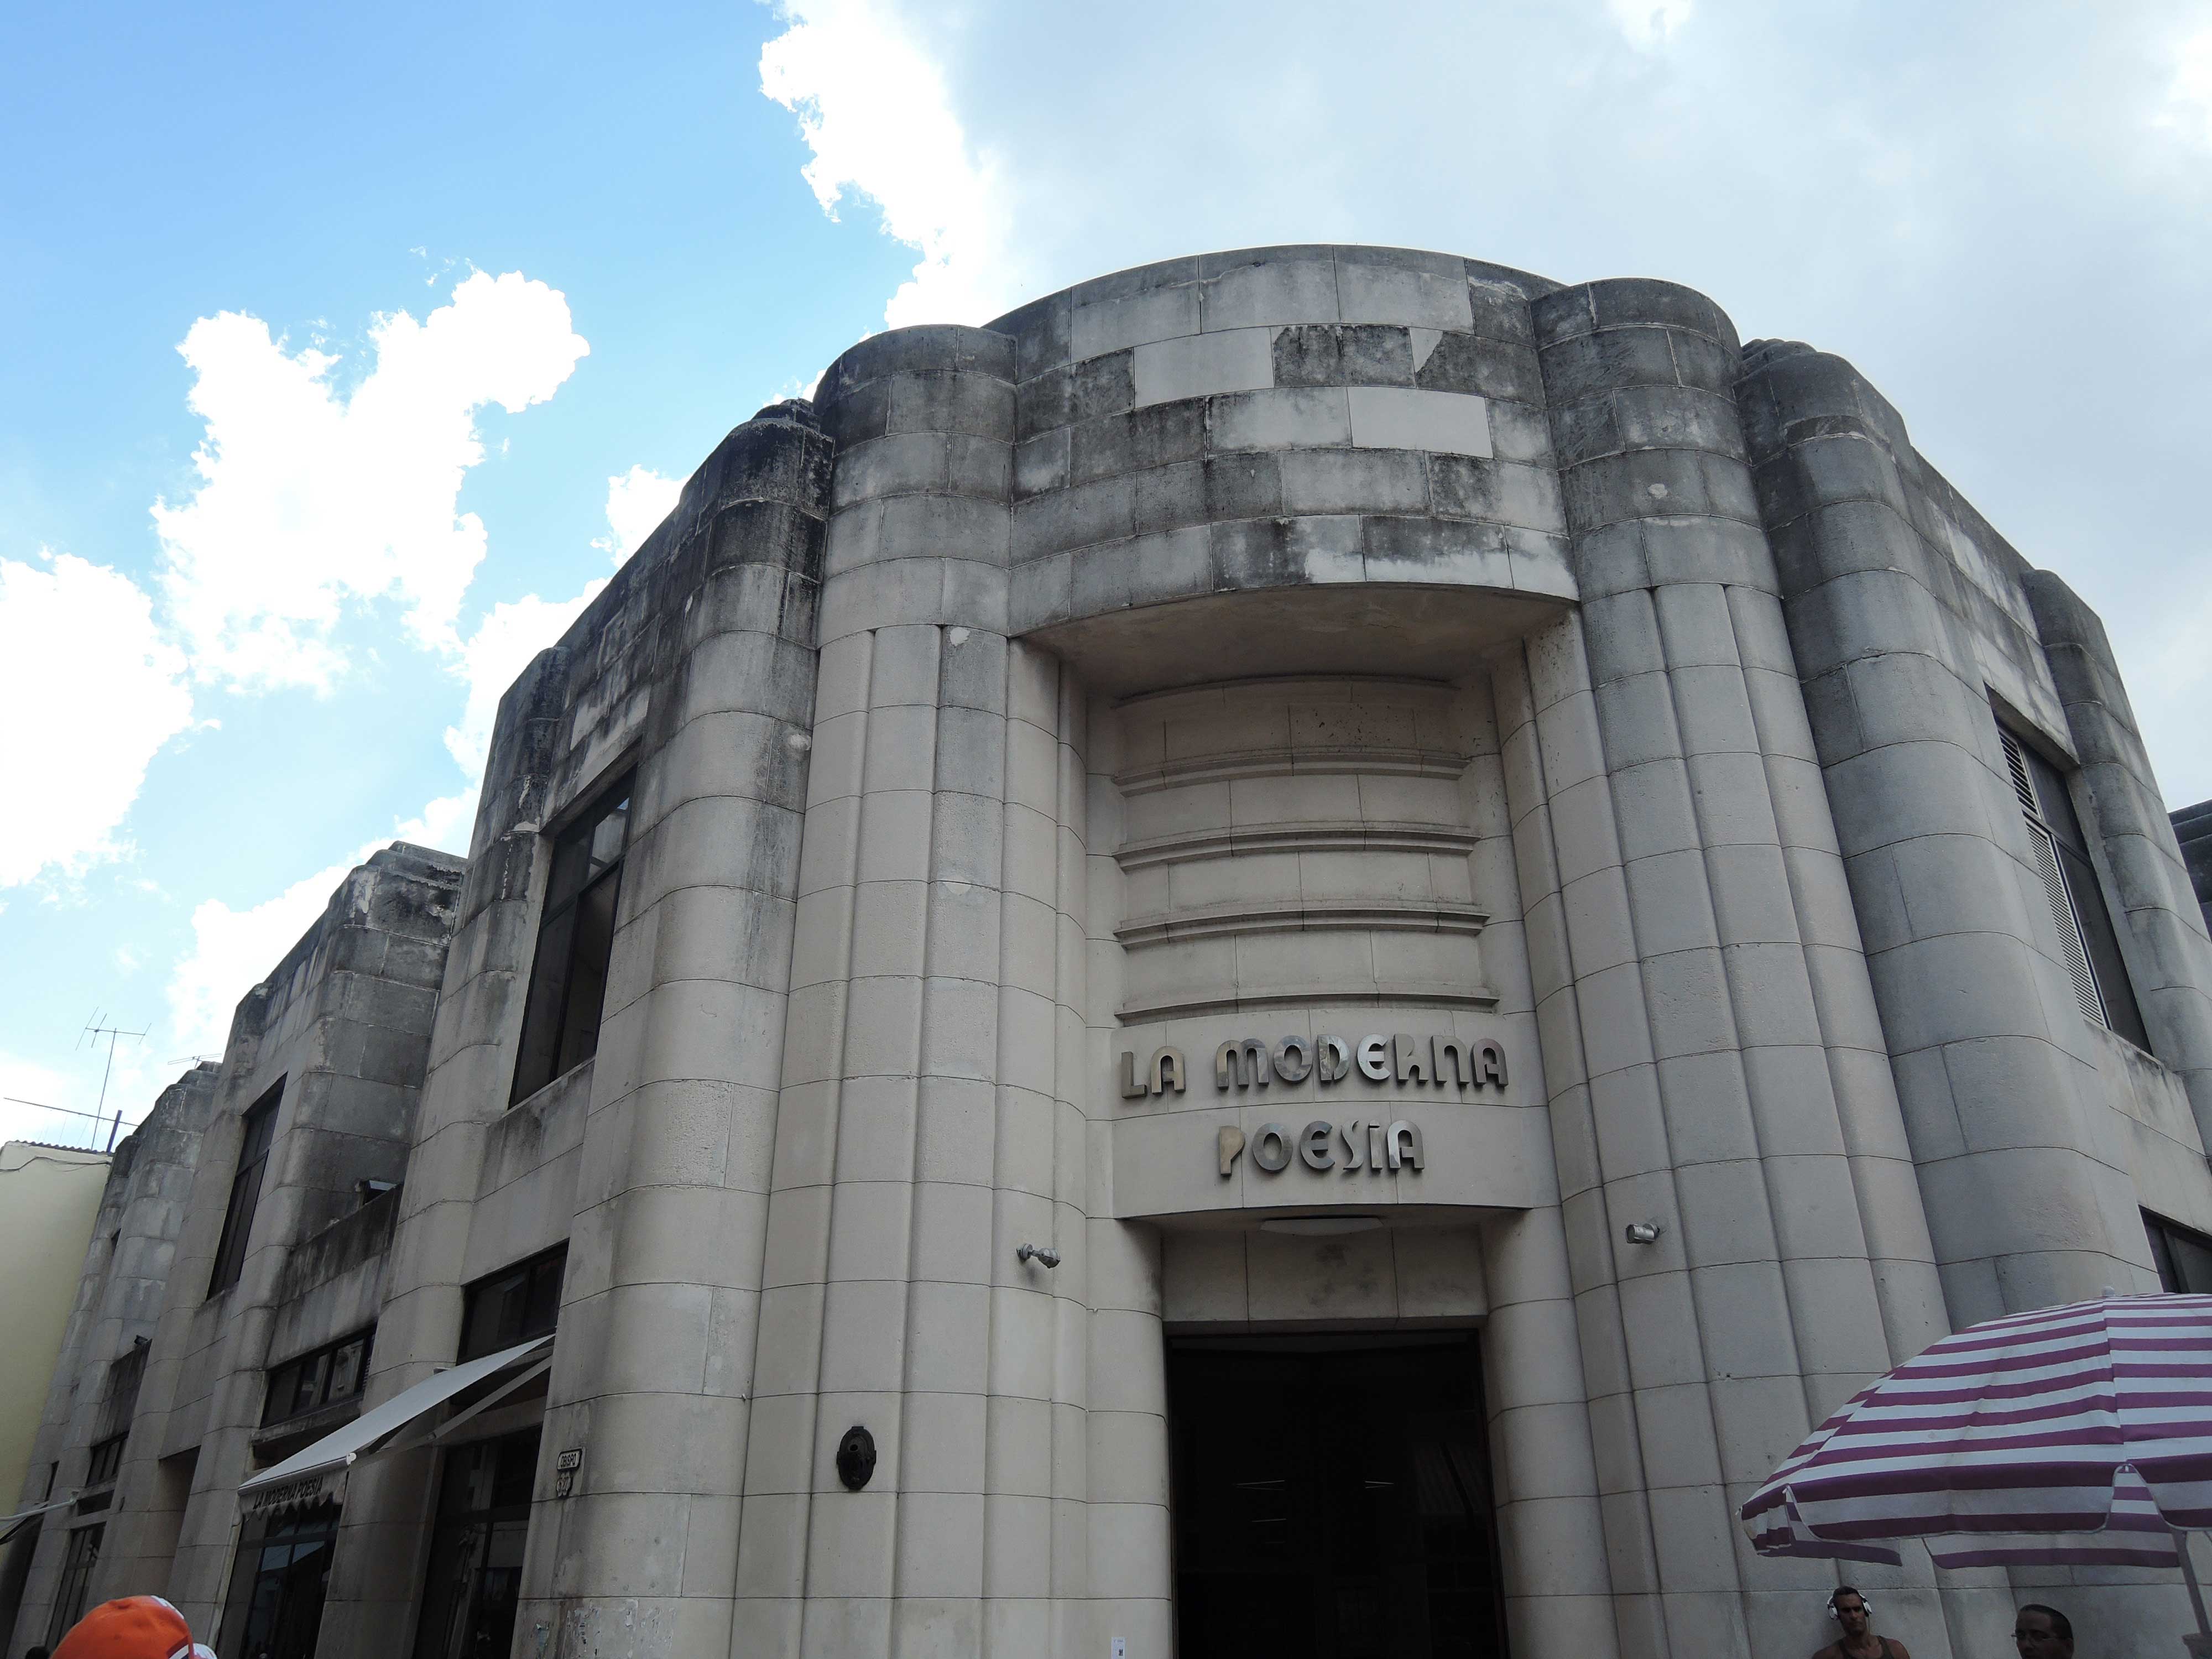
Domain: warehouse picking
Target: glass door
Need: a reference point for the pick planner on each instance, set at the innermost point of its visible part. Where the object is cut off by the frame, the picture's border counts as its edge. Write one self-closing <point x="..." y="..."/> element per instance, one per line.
<point x="475" y="1581"/>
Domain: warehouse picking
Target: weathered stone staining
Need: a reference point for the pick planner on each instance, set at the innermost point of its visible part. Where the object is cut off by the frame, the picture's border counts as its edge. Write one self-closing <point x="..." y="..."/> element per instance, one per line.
<point x="1364" y="667"/>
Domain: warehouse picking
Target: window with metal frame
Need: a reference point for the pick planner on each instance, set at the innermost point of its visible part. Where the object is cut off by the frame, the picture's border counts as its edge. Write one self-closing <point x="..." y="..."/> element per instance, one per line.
<point x="2086" y="939"/>
<point x="106" y="1458"/>
<point x="245" y="1191"/>
<point x="576" y="940"/>
<point x="2184" y="1255"/>
<point x="81" y="1557"/>
<point x="329" y="1376"/>
<point x="514" y="1304"/>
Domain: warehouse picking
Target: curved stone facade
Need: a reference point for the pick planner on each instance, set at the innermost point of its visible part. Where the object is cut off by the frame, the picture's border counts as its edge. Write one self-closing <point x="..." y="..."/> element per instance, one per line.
<point x="1331" y="807"/>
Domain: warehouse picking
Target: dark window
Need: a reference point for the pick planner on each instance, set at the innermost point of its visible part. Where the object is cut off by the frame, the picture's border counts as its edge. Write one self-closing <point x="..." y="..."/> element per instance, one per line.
<point x="276" y="1587"/>
<point x="107" y="1459"/>
<point x="2184" y="1255"/>
<point x="125" y="1377"/>
<point x="327" y="1377"/>
<point x="476" y="1554"/>
<point x="514" y="1304"/>
<point x="2092" y="948"/>
<point x="245" y="1191"/>
<point x="82" y="1555"/>
<point x="568" y="977"/>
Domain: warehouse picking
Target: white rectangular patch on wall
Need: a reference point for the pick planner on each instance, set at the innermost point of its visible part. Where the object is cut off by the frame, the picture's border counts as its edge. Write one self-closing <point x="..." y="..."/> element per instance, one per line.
<point x="1200" y="365"/>
<point x="1400" y="417"/>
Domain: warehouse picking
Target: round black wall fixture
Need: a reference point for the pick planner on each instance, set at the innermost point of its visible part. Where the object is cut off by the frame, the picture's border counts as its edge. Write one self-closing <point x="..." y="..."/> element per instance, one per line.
<point x="856" y="1457"/>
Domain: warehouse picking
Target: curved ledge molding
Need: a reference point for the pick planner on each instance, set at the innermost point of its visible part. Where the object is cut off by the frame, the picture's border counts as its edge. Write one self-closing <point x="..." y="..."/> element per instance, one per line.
<point x="1311" y="762"/>
<point x="1425" y="992"/>
<point x="1345" y="836"/>
<point x="1295" y="917"/>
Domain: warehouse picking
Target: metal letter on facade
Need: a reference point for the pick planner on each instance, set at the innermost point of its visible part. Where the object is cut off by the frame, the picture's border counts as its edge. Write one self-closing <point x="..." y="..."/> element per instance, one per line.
<point x="1270" y="1148"/>
<point x="1133" y="1086"/>
<point x="1490" y="1064"/>
<point x="1314" y="1145"/>
<point x="1294" y="1059"/>
<point x="1413" y="1066"/>
<point x="1404" y="1141"/>
<point x="1247" y="1059"/>
<point x="1374" y="1059"/>
<point x="1453" y="1050"/>
<point x="1168" y="1070"/>
<point x="1375" y="1149"/>
<point x="1227" y="1144"/>
<point x="1355" y="1133"/>
<point x="1333" y="1061"/>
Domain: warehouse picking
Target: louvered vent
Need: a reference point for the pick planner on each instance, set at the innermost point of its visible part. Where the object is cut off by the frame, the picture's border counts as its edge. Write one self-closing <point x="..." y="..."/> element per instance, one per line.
<point x="2016" y="763"/>
<point x="2054" y="884"/>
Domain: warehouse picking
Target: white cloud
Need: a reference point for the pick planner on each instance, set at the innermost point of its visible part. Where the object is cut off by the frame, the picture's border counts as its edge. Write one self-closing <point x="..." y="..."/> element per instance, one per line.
<point x="232" y="950"/>
<point x="1648" y="23"/>
<point x="93" y="691"/>
<point x="311" y="498"/>
<point x="872" y="105"/>
<point x="637" y="500"/>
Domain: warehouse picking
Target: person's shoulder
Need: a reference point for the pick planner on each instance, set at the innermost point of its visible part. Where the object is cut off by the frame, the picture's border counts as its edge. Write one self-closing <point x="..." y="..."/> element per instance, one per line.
<point x="1894" y="1649"/>
<point x="1833" y="1650"/>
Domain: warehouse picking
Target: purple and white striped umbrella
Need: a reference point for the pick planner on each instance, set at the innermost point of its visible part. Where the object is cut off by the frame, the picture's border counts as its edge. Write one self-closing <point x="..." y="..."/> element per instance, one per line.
<point x="2074" y="1436"/>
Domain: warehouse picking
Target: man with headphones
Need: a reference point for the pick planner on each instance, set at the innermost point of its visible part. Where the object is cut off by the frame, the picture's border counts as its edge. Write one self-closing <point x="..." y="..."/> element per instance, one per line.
<point x="1855" y="1614"/>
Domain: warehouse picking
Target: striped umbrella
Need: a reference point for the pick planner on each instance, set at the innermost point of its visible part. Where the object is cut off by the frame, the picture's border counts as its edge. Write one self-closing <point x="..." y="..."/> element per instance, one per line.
<point x="2079" y="1436"/>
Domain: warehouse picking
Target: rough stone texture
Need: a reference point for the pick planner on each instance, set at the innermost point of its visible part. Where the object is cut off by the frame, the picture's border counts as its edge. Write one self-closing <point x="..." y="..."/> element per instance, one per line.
<point x="1306" y="639"/>
<point x="2193" y="829"/>
<point x="339" y="1034"/>
<point x="118" y="1305"/>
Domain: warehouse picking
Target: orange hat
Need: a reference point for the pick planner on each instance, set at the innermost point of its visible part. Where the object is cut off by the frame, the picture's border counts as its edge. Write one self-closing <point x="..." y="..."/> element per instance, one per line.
<point x="135" y="1627"/>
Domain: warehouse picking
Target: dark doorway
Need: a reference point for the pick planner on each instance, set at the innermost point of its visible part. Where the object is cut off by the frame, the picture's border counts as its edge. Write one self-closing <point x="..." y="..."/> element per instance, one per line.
<point x="1332" y="1501"/>
<point x="475" y="1581"/>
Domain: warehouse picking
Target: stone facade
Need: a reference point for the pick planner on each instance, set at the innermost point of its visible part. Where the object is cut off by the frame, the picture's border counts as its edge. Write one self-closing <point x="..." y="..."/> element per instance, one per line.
<point x="2193" y="826"/>
<point x="1310" y="802"/>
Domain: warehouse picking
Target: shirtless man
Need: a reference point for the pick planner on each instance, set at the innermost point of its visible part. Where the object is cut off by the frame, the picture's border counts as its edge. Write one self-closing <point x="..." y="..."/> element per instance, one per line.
<point x="1856" y="1613"/>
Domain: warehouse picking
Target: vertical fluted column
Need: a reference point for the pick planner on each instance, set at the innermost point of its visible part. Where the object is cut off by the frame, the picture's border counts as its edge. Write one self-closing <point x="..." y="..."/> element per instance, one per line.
<point x="1132" y="1583"/>
<point x="1733" y="1058"/>
<point x="2170" y="961"/>
<point x="653" y="1369"/>
<point x="929" y="1122"/>
<point x="1966" y="974"/>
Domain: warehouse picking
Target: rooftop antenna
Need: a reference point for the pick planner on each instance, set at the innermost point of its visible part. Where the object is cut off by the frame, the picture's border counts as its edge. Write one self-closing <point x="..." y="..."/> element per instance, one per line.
<point x="93" y="1031"/>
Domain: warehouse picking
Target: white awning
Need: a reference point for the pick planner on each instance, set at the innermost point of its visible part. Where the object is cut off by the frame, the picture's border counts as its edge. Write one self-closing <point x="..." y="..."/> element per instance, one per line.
<point x="374" y="1430"/>
<point x="12" y="1524"/>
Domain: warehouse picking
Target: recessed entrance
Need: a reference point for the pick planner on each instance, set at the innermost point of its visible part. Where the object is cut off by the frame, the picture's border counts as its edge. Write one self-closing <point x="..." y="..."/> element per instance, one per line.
<point x="1333" y="1499"/>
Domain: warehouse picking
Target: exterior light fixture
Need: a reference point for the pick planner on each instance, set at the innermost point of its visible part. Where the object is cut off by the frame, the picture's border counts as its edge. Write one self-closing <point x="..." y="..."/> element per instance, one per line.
<point x="798" y="742"/>
<point x="1642" y="1232"/>
<point x="1043" y="1254"/>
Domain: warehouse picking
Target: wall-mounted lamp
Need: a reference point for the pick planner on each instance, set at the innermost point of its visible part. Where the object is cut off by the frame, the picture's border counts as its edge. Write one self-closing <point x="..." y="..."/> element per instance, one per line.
<point x="798" y="742"/>
<point x="1043" y="1254"/>
<point x="1642" y="1232"/>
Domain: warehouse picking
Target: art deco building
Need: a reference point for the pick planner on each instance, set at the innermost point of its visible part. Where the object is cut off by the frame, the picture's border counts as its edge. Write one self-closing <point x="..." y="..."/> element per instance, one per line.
<point x="1292" y="955"/>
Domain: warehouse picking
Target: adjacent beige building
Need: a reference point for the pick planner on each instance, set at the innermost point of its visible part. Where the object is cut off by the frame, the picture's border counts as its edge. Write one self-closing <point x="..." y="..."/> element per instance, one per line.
<point x="1292" y="955"/>
<point x="48" y="1198"/>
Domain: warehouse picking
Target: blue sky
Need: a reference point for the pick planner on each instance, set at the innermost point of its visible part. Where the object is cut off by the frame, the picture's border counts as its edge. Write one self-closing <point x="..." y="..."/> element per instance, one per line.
<point x="340" y="354"/>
